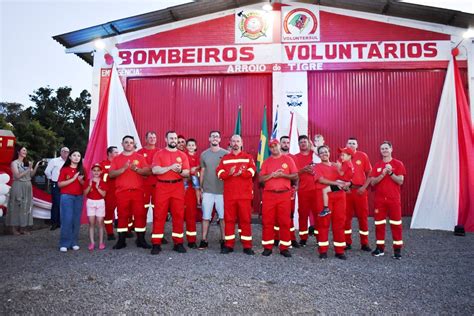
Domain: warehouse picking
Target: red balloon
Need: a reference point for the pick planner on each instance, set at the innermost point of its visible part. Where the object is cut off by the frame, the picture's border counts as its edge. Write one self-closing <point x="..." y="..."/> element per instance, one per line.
<point x="109" y="60"/>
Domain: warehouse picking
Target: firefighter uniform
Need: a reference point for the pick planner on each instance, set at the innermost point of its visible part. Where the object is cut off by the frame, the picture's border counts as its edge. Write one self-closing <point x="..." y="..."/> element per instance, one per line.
<point x="276" y="201"/>
<point x="149" y="183"/>
<point x="356" y="203"/>
<point x="169" y="195"/>
<point x="337" y="205"/>
<point x="190" y="201"/>
<point x="388" y="202"/>
<point x="129" y="193"/>
<point x="110" y="200"/>
<point x="238" y="195"/>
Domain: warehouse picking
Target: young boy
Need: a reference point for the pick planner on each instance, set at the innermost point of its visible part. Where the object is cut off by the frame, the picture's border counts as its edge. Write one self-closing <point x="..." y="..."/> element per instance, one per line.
<point x="346" y="171"/>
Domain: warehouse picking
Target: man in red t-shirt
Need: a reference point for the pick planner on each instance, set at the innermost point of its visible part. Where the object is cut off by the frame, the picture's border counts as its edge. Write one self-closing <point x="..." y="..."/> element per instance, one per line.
<point x="128" y="169"/>
<point x="326" y="173"/>
<point x="357" y="201"/>
<point x="236" y="170"/>
<point x="387" y="178"/>
<point x="192" y="194"/>
<point x="170" y="166"/>
<point x="110" y="200"/>
<point x="149" y="182"/>
<point x="276" y="173"/>
<point x="306" y="188"/>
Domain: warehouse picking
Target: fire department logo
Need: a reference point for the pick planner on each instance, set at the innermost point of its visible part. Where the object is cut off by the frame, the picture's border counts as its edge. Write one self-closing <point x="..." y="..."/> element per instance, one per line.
<point x="284" y="166"/>
<point x="136" y="162"/>
<point x="379" y="169"/>
<point x="145" y="155"/>
<point x="178" y="159"/>
<point x="300" y="24"/>
<point x="252" y="24"/>
<point x="294" y="100"/>
<point x="358" y="162"/>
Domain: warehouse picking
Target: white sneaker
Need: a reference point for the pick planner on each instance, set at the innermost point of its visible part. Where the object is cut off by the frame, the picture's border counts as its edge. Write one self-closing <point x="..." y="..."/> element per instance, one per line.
<point x="76" y="247"/>
<point x="63" y="249"/>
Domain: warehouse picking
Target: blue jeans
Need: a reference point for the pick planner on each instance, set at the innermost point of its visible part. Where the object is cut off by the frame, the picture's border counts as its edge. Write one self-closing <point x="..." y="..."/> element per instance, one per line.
<point x="56" y="200"/>
<point x="71" y="210"/>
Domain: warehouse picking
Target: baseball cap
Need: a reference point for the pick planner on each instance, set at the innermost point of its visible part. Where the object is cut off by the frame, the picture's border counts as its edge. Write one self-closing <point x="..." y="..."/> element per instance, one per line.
<point x="273" y="142"/>
<point x="346" y="150"/>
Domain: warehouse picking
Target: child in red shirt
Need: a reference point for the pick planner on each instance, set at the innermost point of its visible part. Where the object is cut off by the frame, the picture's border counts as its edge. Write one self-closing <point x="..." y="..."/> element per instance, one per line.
<point x="346" y="171"/>
<point x="95" y="191"/>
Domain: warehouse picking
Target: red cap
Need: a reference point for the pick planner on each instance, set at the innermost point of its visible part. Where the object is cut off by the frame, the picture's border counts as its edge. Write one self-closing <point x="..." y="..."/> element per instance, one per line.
<point x="273" y="142"/>
<point x="346" y="150"/>
<point x="96" y="165"/>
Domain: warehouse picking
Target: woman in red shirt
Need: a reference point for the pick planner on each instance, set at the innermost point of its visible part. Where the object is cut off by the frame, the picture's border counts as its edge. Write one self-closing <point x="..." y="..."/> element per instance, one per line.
<point x="70" y="182"/>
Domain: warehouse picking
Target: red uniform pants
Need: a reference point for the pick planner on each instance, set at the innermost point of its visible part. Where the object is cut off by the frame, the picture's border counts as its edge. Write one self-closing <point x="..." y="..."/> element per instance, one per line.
<point x="306" y="204"/>
<point x="276" y="208"/>
<point x="319" y="205"/>
<point x="337" y="205"/>
<point x="394" y="211"/>
<point x="276" y="228"/>
<point x="130" y="204"/>
<point x="357" y="204"/>
<point x="110" y="206"/>
<point x="238" y="211"/>
<point x="149" y="196"/>
<point x="168" y="196"/>
<point x="190" y="210"/>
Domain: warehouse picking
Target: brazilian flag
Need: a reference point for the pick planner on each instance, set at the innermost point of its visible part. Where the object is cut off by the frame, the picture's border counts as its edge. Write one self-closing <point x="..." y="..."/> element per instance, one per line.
<point x="263" y="151"/>
<point x="238" y="123"/>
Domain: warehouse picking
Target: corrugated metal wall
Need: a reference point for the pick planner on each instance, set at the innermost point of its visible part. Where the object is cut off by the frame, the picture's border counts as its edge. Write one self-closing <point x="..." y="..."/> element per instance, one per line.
<point x="373" y="106"/>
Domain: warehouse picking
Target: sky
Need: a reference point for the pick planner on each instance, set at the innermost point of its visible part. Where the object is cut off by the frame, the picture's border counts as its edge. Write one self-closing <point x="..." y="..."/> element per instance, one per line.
<point x="30" y="58"/>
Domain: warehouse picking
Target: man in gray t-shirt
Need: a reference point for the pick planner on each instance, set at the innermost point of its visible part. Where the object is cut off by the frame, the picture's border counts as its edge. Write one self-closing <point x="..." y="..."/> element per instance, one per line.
<point x="212" y="188"/>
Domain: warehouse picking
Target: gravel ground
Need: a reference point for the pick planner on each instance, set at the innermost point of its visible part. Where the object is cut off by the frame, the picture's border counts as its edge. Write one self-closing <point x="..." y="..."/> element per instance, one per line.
<point x="435" y="276"/>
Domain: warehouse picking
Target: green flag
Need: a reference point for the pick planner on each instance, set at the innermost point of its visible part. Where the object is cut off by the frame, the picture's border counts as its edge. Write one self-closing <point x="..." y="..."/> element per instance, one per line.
<point x="263" y="143"/>
<point x="238" y="123"/>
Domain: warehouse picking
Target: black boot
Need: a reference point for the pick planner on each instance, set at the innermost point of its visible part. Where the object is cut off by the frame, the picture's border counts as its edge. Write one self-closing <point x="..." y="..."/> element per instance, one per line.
<point x="121" y="243"/>
<point x="141" y="242"/>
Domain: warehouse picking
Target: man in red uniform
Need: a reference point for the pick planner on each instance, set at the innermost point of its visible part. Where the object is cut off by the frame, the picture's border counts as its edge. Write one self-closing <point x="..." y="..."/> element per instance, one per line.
<point x="129" y="168"/>
<point x="277" y="173"/>
<point x="181" y="145"/>
<point x="357" y="200"/>
<point x="170" y="166"/>
<point x="326" y="173"/>
<point x="192" y="193"/>
<point x="285" y="150"/>
<point x="236" y="170"/>
<point x="306" y="187"/>
<point x="149" y="182"/>
<point x="110" y="200"/>
<point x="387" y="177"/>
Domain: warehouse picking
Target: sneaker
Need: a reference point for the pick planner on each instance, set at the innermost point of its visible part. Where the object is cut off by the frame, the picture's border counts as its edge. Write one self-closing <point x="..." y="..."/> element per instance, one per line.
<point x="110" y="237"/>
<point x="249" y="251"/>
<point x="285" y="253"/>
<point x="63" y="249"/>
<point x="164" y="241"/>
<point x="179" y="248"/>
<point x="266" y="252"/>
<point x="226" y="250"/>
<point x="397" y="254"/>
<point x="156" y="249"/>
<point x="326" y="211"/>
<point x="348" y="247"/>
<point x="76" y="247"/>
<point x="276" y="243"/>
<point x="101" y="246"/>
<point x="378" y="252"/>
<point x="192" y="245"/>
<point x="365" y="248"/>
<point x="203" y="244"/>
<point x="323" y="255"/>
<point x="341" y="256"/>
<point x="91" y="246"/>
<point x="302" y="243"/>
<point x="295" y="244"/>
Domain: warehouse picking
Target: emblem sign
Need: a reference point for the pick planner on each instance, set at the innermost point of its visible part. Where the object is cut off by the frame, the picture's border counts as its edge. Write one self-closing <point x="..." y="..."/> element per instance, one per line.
<point x="300" y="24"/>
<point x="253" y="26"/>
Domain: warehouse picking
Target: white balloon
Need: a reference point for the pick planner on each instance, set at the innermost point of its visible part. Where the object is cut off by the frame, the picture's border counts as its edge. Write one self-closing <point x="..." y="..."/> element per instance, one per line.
<point x="3" y="199"/>
<point x="4" y="178"/>
<point x="1" y="212"/>
<point x="4" y="188"/>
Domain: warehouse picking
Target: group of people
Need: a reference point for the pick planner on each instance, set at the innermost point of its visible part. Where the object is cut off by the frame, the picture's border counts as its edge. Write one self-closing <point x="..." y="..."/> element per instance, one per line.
<point x="176" y="180"/>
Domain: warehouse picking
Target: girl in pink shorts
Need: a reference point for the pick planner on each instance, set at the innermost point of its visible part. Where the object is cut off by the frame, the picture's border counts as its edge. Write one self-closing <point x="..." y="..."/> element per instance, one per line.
<point x="95" y="191"/>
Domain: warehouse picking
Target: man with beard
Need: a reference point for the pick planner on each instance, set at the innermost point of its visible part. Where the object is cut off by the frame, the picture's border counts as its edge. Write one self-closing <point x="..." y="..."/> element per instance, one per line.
<point x="357" y="200"/>
<point x="212" y="188"/>
<point x="110" y="200"/>
<point x="237" y="169"/>
<point x="277" y="173"/>
<point x="170" y="166"/>
<point x="129" y="168"/>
